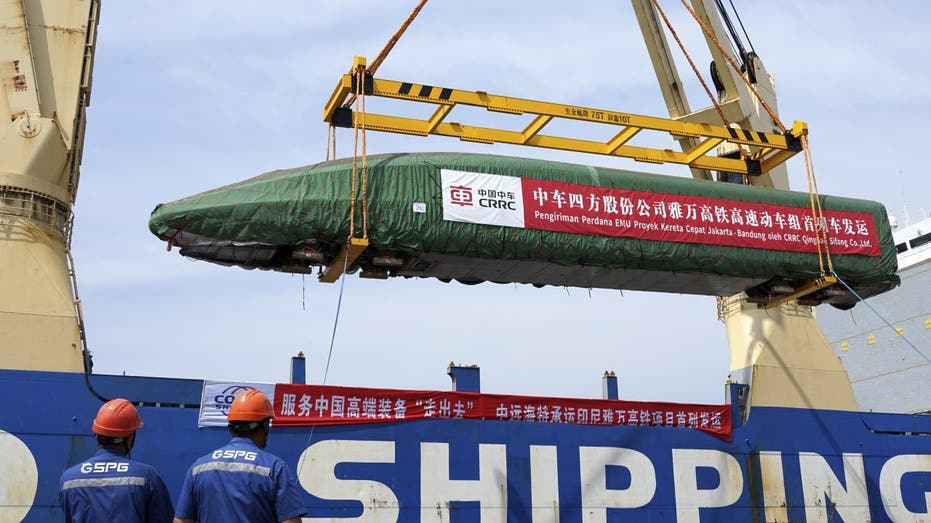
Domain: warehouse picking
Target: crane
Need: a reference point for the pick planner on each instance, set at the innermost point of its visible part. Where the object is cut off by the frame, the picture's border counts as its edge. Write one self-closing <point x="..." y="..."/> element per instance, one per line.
<point x="48" y="48"/>
<point x="780" y="354"/>
<point x="778" y="351"/>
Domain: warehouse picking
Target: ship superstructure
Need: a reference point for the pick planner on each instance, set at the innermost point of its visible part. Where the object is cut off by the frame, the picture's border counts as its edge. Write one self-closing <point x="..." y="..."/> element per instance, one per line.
<point x="886" y="348"/>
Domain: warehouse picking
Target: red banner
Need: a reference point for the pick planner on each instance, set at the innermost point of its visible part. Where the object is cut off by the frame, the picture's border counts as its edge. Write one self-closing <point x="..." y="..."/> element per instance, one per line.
<point x="583" y="209"/>
<point x="304" y="405"/>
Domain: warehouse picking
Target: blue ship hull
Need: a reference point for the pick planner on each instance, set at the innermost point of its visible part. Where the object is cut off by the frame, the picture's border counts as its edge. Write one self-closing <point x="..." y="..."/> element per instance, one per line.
<point x="804" y="465"/>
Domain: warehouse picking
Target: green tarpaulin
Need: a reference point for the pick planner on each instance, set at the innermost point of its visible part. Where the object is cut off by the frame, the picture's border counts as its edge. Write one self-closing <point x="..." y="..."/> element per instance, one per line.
<point x="271" y="220"/>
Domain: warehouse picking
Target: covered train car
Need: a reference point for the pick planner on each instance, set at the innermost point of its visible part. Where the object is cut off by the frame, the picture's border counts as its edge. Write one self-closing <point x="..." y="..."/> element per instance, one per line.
<point x="475" y="218"/>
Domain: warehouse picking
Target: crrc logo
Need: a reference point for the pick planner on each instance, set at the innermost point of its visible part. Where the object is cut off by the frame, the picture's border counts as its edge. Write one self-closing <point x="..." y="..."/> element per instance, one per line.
<point x="225" y="398"/>
<point x="460" y="195"/>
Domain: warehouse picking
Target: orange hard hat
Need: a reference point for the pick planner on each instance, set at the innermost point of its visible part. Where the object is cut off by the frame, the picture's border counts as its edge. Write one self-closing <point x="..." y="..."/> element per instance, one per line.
<point x="117" y="418"/>
<point x="250" y="405"/>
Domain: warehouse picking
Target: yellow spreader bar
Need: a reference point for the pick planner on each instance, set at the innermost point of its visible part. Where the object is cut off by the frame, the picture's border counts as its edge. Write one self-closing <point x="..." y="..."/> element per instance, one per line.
<point x="813" y="285"/>
<point x="335" y="269"/>
<point x="766" y="150"/>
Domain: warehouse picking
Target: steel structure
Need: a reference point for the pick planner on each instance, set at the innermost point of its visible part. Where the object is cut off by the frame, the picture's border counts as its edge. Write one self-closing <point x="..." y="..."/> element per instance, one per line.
<point x="768" y="149"/>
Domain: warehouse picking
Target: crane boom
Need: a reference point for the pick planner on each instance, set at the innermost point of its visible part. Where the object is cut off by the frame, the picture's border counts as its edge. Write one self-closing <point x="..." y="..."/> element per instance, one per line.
<point x="780" y="352"/>
<point x="738" y="103"/>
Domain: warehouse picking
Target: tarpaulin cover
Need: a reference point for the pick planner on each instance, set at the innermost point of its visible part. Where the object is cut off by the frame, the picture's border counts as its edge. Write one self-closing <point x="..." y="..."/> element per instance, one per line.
<point x="406" y="214"/>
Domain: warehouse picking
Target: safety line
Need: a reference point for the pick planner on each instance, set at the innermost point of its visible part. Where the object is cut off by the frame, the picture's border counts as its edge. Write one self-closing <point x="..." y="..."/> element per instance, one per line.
<point x="884" y="320"/>
<point x="339" y="303"/>
<point x="329" y="357"/>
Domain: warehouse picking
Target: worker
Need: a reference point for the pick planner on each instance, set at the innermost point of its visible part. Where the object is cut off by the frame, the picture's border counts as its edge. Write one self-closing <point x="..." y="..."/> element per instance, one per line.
<point x="242" y="482"/>
<point x="109" y="486"/>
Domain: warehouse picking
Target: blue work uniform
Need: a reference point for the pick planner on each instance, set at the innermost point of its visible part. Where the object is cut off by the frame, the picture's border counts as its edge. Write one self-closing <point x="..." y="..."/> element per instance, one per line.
<point x="239" y="482"/>
<point x="111" y="487"/>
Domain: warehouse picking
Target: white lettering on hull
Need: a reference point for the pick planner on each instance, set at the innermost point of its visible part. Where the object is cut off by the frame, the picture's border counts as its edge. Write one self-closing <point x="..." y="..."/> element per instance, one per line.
<point x="437" y="490"/>
<point x="890" y="485"/>
<point x="845" y="490"/>
<point x="819" y="483"/>
<point x="544" y="489"/>
<point x="774" y="486"/>
<point x="690" y="498"/>
<point x="317" y="474"/>
<point x="597" y="498"/>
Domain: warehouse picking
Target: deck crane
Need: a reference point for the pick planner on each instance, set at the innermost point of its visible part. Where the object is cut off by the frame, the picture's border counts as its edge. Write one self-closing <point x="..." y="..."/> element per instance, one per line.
<point x="47" y="57"/>
<point x="781" y="353"/>
<point x="778" y="349"/>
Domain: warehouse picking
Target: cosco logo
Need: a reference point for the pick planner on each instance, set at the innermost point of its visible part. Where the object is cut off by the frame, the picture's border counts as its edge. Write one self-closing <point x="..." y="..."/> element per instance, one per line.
<point x="234" y="454"/>
<point x="104" y="466"/>
<point x="224" y="399"/>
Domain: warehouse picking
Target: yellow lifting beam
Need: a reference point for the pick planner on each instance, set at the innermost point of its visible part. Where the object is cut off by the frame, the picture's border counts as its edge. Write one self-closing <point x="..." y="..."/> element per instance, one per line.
<point x="767" y="150"/>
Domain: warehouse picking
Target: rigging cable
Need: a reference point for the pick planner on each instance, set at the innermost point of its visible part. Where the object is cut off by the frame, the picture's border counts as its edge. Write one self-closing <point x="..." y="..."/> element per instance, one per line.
<point x="742" y="28"/>
<point x="360" y="75"/>
<point x="735" y="38"/>
<point x="820" y="225"/>
<point x="390" y="45"/>
<point x="331" y="142"/>
<point x="358" y="128"/>
<point x="880" y="316"/>
<point x="359" y="98"/>
<point x="339" y="304"/>
<point x="701" y="80"/>
<point x="733" y="64"/>
<point x="329" y="357"/>
<point x="365" y="202"/>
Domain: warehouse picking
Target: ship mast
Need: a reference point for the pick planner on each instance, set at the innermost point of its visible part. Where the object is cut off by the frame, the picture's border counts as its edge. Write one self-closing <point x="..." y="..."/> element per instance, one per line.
<point x="46" y="59"/>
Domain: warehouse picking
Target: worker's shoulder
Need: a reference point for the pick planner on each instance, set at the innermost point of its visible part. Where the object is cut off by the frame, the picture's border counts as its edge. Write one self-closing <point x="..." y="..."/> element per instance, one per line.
<point x="236" y="450"/>
<point x="268" y="457"/>
<point x="142" y="468"/>
<point x="72" y="472"/>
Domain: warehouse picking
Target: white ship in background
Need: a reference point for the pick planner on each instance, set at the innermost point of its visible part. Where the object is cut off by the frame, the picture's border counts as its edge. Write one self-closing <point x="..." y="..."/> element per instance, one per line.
<point x="890" y="367"/>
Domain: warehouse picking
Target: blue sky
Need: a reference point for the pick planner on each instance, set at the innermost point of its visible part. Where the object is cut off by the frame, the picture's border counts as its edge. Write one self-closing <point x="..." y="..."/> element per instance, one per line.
<point x="188" y="96"/>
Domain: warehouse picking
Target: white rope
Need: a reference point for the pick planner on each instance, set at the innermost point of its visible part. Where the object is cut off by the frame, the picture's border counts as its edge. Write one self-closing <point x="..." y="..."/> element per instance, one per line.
<point x="329" y="357"/>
